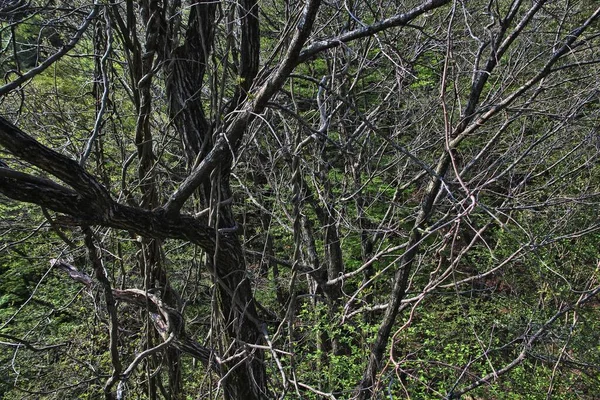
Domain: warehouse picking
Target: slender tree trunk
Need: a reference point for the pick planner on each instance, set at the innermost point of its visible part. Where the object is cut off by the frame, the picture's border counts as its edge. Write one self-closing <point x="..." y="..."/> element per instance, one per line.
<point x="186" y="71"/>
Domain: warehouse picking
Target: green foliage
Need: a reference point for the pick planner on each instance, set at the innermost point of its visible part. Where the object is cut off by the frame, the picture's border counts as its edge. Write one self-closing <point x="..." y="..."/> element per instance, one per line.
<point x="321" y="365"/>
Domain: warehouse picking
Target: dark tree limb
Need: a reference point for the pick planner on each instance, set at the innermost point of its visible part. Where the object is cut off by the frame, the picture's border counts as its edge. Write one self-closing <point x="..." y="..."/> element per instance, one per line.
<point x="250" y="49"/>
<point x="43" y="192"/>
<point x="186" y="71"/>
<point x="67" y="170"/>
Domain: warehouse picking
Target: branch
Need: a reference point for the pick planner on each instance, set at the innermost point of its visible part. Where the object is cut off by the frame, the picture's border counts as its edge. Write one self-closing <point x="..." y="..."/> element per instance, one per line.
<point x="144" y="354"/>
<point x="44" y="192"/>
<point x="227" y="144"/>
<point x="250" y="49"/>
<point x="526" y="346"/>
<point x="397" y="20"/>
<point x="90" y="202"/>
<point x="111" y="307"/>
<point x="191" y="183"/>
<point x="67" y="170"/>
<point x="80" y="211"/>
<point x="291" y="59"/>
<point x="26" y="344"/>
<point x="460" y="134"/>
<point x="53" y="58"/>
<point x="73" y="272"/>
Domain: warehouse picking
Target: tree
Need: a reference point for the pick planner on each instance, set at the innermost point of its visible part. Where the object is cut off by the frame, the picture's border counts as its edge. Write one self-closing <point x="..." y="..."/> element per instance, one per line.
<point x="369" y="160"/>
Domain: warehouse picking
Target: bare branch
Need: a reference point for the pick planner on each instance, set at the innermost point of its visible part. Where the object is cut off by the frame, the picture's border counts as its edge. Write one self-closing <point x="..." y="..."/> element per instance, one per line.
<point x="53" y="58"/>
<point x="366" y="31"/>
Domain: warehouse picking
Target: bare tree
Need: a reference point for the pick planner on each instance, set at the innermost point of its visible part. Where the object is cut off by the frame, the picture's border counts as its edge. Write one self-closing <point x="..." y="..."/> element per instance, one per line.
<point x="368" y="159"/>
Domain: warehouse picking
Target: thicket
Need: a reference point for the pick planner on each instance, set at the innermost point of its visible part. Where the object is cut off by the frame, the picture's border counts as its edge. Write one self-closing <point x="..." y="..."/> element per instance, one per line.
<point x="310" y="200"/>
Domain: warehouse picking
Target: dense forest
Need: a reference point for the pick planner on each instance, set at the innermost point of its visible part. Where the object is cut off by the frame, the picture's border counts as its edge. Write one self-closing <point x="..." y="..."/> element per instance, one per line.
<point x="284" y="199"/>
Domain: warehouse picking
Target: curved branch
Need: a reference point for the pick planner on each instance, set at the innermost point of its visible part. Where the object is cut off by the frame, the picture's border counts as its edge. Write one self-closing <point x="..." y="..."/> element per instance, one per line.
<point x="53" y="58"/>
<point x="396" y="20"/>
<point x="111" y="306"/>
